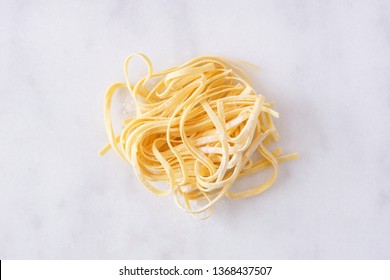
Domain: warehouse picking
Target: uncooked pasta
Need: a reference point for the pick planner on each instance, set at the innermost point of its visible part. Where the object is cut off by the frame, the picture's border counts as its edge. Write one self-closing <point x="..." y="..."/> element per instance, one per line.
<point x="198" y="128"/>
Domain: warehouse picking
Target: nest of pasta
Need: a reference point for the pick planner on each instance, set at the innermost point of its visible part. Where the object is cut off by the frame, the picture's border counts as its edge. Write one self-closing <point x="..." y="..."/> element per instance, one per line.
<point x="197" y="129"/>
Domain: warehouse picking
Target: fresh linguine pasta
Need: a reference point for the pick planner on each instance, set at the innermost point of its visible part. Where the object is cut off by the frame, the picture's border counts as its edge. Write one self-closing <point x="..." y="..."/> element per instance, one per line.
<point x="197" y="129"/>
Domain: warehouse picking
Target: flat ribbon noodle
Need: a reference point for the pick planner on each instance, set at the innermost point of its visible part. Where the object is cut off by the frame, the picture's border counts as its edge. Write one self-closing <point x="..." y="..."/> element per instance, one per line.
<point x="197" y="129"/>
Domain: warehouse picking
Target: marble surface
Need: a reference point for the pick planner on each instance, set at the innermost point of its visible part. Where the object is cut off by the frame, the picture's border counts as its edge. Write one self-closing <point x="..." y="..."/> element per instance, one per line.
<point x="326" y="64"/>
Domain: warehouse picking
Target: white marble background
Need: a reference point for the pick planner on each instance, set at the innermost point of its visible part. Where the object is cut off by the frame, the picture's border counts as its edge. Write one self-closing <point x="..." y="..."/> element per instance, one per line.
<point x="326" y="64"/>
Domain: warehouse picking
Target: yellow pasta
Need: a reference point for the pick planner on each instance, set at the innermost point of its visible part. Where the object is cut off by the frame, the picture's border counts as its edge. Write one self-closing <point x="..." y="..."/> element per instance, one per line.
<point x="197" y="129"/>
